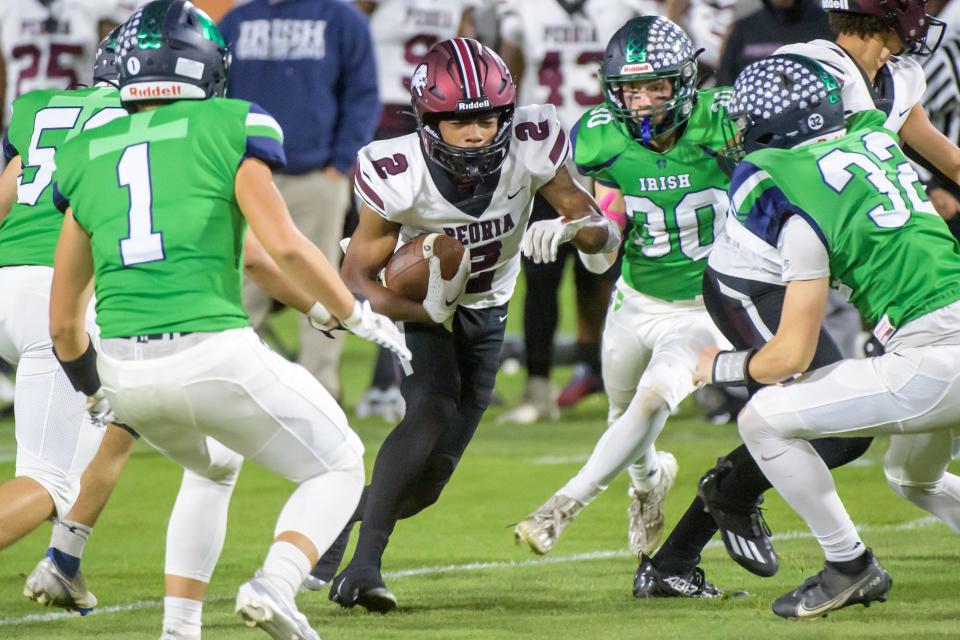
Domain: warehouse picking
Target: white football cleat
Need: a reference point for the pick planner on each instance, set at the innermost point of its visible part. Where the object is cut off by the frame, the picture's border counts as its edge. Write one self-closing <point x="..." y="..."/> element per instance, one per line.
<point x="542" y="528"/>
<point x="171" y="634"/>
<point x="313" y="583"/>
<point x="645" y="514"/>
<point x="539" y="403"/>
<point x="260" y="605"/>
<point x="50" y="587"/>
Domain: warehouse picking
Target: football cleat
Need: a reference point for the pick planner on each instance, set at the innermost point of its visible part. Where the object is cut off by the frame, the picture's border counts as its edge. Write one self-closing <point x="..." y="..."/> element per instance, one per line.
<point x="386" y="403"/>
<point x="650" y="582"/>
<point x="261" y="605"/>
<point x="326" y="567"/>
<point x="542" y="528"/>
<point x="743" y="530"/>
<point x="49" y="586"/>
<point x="645" y="513"/>
<point x="538" y="404"/>
<point x="830" y="589"/>
<point x="171" y="634"/>
<point x="585" y="382"/>
<point x="362" y="586"/>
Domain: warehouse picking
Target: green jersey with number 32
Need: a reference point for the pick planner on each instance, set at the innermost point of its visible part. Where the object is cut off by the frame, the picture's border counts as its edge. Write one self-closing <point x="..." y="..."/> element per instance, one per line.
<point x="42" y="122"/>
<point x="155" y="192"/>
<point x="886" y="244"/>
<point x="675" y="200"/>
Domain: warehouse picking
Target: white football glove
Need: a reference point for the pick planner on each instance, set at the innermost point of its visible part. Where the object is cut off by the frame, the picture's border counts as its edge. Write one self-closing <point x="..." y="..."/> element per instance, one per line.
<point x="542" y="239"/>
<point x="443" y="295"/>
<point x="377" y="328"/>
<point x="99" y="410"/>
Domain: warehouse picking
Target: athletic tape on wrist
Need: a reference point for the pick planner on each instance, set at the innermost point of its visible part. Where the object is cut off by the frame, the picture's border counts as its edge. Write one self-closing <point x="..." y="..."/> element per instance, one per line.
<point x="730" y="368"/>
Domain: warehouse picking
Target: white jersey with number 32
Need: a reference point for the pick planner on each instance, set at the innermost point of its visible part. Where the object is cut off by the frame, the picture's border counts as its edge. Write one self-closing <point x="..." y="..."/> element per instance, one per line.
<point x="53" y="47"/>
<point x="394" y="180"/>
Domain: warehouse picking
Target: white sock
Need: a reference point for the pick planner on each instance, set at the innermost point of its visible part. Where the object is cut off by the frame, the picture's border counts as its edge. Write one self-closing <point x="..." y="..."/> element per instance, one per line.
<point x="182" y="615"/>
<point x="70" y="537"/>
<point x="627" y="439"/>
<point x="799" y="474"/>
<point x="645" y="472"/>
<point x="285" y="567"/>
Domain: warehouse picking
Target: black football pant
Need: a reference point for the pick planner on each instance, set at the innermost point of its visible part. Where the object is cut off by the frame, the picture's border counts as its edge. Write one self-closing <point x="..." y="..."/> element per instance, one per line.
<point x="446" y="393"/>
<point x="746" y="312"/>
<point x="541" y="311"/>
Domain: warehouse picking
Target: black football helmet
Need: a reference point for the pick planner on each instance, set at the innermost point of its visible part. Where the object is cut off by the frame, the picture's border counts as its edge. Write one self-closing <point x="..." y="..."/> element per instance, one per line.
<point x="105" y="64"/>
<point x="780" y="102"/>
<point x="170" y="50"/>
<point x="650" y="48"/>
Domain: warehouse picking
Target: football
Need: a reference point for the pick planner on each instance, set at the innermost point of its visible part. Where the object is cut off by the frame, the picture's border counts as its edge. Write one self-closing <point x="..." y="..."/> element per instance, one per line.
<point x="408" y="273"/>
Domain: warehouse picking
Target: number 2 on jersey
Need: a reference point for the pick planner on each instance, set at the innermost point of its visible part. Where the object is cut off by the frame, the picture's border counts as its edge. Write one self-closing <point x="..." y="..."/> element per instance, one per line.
<point x="142" y="243"/>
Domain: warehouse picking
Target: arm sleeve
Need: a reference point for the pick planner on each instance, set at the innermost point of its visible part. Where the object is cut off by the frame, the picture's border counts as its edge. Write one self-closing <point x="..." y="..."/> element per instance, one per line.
<point x="358" y="101"/>
<point x="264" y="138"/>
<point x="803" y="253"/>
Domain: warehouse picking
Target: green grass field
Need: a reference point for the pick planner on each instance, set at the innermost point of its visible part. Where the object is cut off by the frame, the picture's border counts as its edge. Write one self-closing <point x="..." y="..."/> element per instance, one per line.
<point x="457" y="572"/>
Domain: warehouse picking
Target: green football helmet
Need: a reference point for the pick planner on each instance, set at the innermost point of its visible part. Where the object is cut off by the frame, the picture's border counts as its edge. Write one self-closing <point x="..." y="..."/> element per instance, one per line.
<point x="650" y="48"/>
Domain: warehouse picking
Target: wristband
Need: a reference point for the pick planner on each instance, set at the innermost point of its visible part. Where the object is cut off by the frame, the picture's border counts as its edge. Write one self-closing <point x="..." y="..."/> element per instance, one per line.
<point x="318" y="314"/>
<point x="613" y="237"/>
<point x="730" y="368"/>
<point x="82" y="372"/>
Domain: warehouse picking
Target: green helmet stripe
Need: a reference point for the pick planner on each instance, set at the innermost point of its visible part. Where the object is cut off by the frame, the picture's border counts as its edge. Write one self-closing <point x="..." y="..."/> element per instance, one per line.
<point x="636" y="47"/>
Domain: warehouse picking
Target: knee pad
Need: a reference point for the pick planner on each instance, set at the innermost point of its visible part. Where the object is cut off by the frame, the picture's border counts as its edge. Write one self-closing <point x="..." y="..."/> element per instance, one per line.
<point x="759" y="435"/>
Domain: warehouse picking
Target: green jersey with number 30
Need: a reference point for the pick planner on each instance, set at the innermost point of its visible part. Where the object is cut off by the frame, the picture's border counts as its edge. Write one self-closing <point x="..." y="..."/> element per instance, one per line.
<point x="675" y="200"/>
<point x="886" y="244"/>
<point x="155" y="193"/>
<point x="42" y="122"/>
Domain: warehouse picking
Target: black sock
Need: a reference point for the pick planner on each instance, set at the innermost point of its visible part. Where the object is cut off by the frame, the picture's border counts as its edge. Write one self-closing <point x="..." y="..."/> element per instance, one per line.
<point x="850" y="567"/>
<point x="681" y="551"/>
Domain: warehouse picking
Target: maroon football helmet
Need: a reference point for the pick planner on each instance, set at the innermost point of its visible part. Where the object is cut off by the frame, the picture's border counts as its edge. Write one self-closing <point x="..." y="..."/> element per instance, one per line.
<point x="461" y="77"/>
<point x="907" y="17"/>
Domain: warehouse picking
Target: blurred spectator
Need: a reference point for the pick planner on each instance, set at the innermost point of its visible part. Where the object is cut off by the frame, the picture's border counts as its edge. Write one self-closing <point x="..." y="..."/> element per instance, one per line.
<point x="707" y="23"/>
<point x="553" y="48"/>
<point x="403" y="31"/>
<point x="310" y="63"/>
<point x="50" y="44"/>
<point x="761" y="33"/>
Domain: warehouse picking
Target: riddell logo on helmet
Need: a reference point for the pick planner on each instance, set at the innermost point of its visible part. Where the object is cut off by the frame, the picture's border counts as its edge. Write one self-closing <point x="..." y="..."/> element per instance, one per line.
<point x="642" y="67"/>
<point x="836" y="5"/>
<point x="155" y="91"/>
<point x="472" y="105"/>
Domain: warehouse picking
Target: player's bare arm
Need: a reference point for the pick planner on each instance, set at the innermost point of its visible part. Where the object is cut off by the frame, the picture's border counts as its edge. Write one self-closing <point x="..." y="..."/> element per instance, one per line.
<point x="918" y="132"/>
<point x="8" y="186"/>
<point x="370" y="248"/>
<point x="613" y="207"/>
<point x="265" y="211"/>
<point x="792" y="348"/>
<point x="70" y="291"/>
<point x="581" y="222"/>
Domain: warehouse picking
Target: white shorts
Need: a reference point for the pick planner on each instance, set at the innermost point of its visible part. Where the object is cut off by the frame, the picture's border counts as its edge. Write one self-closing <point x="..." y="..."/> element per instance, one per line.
<point x="909" y="390"/>
<point x="653" y="344"/>
<point x="55" y="437"/>
<point x="231" y="387"/>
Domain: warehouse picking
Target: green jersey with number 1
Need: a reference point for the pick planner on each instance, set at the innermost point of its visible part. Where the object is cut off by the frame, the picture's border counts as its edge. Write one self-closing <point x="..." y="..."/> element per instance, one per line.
<point x="675" y="200"/>
<point x="155" y="193"/>
<point x="886" y="244"/>
<point x="42" y="122"/>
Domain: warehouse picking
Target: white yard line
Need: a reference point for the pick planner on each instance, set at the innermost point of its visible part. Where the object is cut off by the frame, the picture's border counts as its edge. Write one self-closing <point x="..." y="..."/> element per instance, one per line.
<point x="456" y="568"/>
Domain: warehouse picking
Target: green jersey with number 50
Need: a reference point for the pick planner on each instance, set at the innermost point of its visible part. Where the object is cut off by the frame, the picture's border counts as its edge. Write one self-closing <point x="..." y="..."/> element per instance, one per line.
<point x="675" y="200"/>
<point x="42" y="122"/>
<point x="155" y="193"/>
<point x="885" y="242"/>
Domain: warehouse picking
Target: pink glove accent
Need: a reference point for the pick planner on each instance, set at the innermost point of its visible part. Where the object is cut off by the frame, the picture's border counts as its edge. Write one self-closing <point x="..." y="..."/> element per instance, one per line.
<point x="616" y="216"/>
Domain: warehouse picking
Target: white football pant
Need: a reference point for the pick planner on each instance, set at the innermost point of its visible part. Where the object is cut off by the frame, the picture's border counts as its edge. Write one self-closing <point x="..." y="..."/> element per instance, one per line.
<point x="55" y="437"/>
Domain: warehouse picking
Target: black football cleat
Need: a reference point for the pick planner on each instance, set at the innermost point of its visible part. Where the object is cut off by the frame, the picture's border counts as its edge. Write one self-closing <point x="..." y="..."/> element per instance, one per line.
<point x="362" y="586"/>
<point x="743" y="530"/>
<point x="650" y="582"/>
<point x="831" y="589"/>
<point x="326" y="567"/>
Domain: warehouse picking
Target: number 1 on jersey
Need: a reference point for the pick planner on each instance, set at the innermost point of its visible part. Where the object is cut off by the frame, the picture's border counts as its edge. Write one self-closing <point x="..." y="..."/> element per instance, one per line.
<point x="142" y="243"/>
